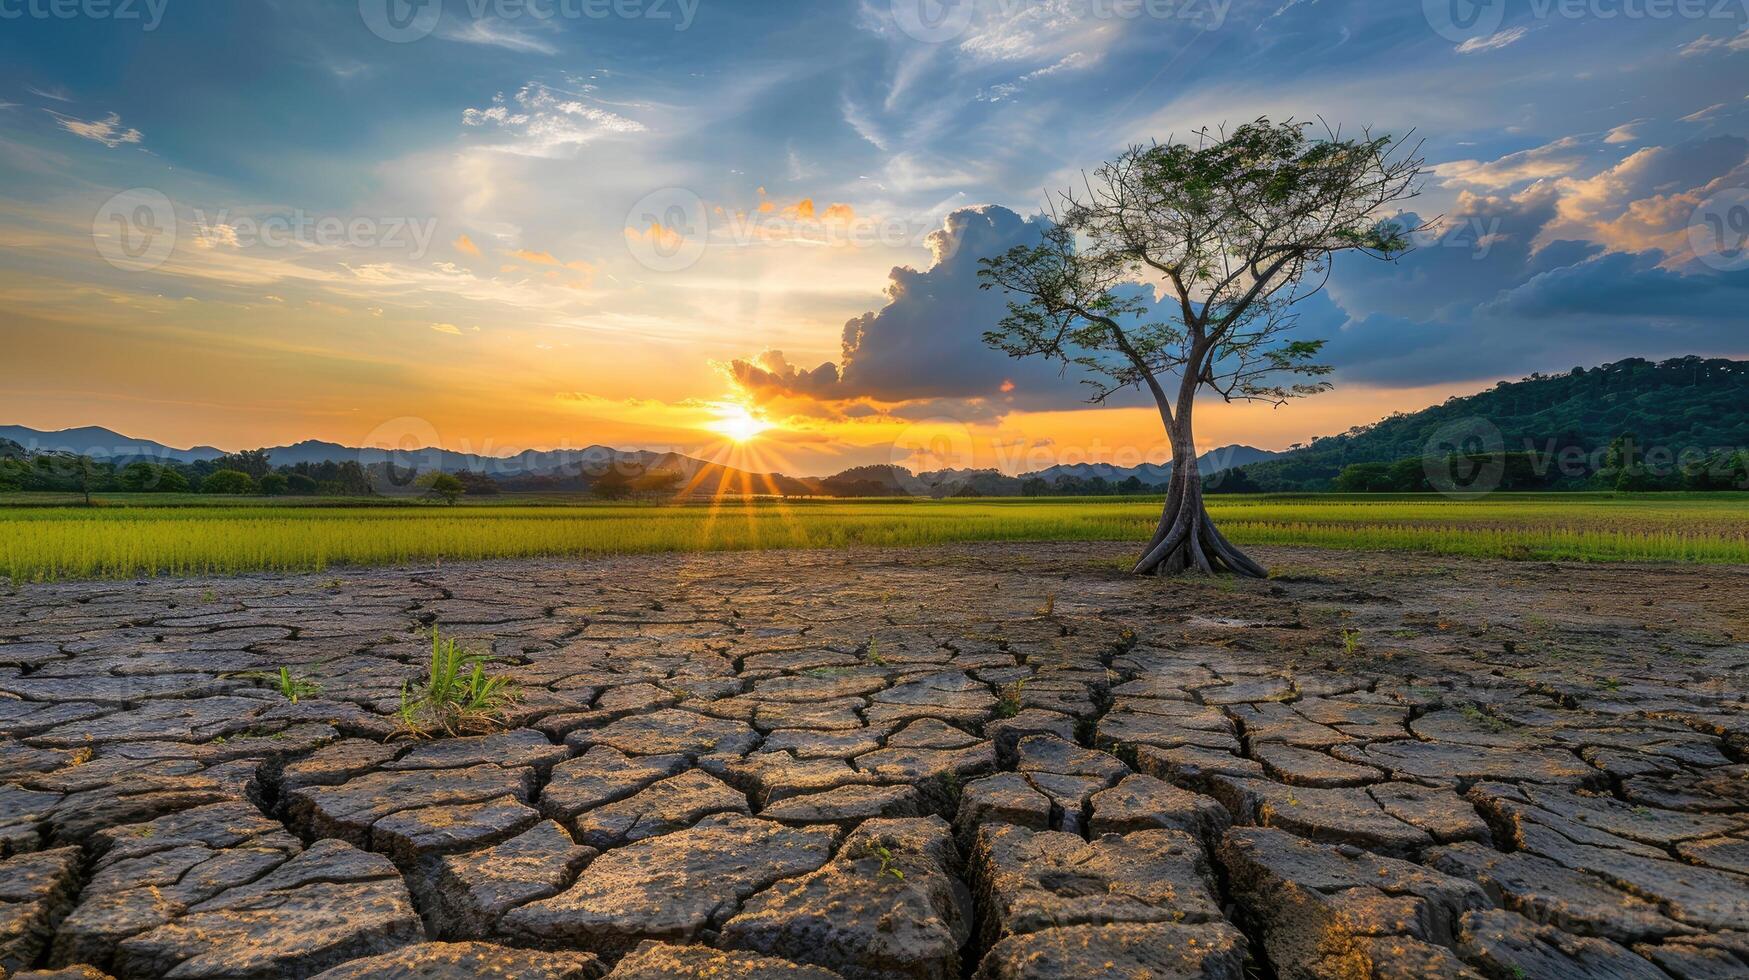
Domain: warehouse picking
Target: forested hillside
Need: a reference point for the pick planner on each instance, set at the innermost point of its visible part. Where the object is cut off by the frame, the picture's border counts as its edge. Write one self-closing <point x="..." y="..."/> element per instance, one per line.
<point x="1684" y="409"/>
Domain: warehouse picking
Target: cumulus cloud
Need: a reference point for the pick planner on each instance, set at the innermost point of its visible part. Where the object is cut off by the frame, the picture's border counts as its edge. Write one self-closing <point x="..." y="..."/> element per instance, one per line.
<point x="924" y="350"/>
<point x="1555" y="159"/>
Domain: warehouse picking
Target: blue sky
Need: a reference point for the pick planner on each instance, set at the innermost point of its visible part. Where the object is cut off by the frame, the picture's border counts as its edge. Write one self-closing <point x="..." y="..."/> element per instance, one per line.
<point x="808" y="149"/>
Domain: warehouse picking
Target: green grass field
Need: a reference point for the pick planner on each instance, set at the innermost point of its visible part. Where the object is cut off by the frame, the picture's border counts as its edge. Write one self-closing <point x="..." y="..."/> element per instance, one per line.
<point x="143" y="535"/>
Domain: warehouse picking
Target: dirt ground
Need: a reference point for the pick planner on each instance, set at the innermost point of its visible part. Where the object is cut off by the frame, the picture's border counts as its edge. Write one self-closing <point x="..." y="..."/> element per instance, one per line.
<point x="1002" y="760"/>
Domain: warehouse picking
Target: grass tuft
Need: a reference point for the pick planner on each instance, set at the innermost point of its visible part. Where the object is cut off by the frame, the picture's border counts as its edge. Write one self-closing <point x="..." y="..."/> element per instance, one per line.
<point x="458" y="696"/>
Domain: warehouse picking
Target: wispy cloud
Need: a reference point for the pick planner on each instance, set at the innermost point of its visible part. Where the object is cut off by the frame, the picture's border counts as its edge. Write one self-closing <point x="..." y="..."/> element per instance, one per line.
<point x="1707" y="44"/>
<point x="544" y="122"/>
<point x="109" y="131"/>
<point x="56" y="93"/>
<point x="495" y="34"/>
<point x="1493" y="42"/>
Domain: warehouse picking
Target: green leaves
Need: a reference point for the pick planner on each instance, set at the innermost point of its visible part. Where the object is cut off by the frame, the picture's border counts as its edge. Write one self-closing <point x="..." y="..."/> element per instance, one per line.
<point x="1233" y="228"/>
<point x="457" y="696"/>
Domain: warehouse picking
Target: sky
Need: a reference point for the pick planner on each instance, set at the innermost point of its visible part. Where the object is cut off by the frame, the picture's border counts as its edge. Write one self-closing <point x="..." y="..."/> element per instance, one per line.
<point x="750" y="229"/>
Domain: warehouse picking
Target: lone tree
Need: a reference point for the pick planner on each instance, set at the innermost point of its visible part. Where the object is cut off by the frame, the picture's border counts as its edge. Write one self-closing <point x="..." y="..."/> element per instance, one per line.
<point x="1234" y="229"/>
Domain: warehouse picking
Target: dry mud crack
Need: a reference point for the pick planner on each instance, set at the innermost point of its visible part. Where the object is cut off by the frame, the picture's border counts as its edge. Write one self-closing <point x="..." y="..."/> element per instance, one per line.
<point x="999" y="761"/>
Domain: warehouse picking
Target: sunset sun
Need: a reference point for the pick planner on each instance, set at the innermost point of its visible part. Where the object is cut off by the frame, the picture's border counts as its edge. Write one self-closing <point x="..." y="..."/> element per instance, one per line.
<point x="738" y="423"/>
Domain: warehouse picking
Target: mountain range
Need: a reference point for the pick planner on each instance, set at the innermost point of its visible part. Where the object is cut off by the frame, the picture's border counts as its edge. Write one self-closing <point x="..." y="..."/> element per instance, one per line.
<point x="112" y="446"/>
<point x="1689" y="404"/>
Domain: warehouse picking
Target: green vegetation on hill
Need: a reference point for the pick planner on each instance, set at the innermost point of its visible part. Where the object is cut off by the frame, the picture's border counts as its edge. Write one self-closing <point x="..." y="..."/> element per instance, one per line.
<point x="1683" y="419"/>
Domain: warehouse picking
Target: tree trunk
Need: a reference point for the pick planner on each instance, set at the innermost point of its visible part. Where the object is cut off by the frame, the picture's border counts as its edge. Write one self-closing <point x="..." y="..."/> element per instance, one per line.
<point x="1186" y="539"/>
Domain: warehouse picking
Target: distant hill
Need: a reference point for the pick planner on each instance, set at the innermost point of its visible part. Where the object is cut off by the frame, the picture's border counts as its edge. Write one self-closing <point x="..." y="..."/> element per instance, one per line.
<point x="100" y="443"/>
<point x="1693" y="404"/>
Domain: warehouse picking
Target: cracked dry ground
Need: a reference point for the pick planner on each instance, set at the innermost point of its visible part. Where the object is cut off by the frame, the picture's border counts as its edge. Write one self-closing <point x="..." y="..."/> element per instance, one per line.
<point x="994" y="760"/>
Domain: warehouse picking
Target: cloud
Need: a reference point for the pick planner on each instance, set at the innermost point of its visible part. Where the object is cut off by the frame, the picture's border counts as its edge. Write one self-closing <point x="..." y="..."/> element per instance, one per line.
<point x="1707" y="44"/>
<point x="1704" y="115"/>
<point x="57" y="93"/>
<point x="448" y="328"/>
<point x="544" y="122"/>
<point x="534" y="258"/>
<point x="924" y="350"/>
<point x="494" y="34"/>
<point x="1493" y="42"/>
<point x="466" y="246"/>
<point x="1645" y="201"/>
<point x="108" y="130"/>
<point x="1554" y="159"/>
<point x="1625" y="133"/>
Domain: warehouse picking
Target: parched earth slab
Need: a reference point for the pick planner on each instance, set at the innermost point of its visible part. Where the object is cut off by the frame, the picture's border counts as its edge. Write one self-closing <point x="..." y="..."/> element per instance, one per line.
<point x="148" y="874"/>
<point x="1507" y="944"/>
<point x="1028" y="881"/>
<point x="469" y="959"/>
<point x="670" y="732"/>
<point x="1125" y="951"/>
<point x="1141" y="802"/>
<point x="672" y="887"/>
<point x="350" y="810"/>
<point x="665" y="806"/>
<point x="889" y="906"/>
<point x="1323" y="909"/>
<point x="661" y="961"/>
<point x="1588" y="787"/>
<point x="469" y="893"/>
<point x="1349" y="816"/>
<point x="36" y="889"/>
<point x="330" y="904"/>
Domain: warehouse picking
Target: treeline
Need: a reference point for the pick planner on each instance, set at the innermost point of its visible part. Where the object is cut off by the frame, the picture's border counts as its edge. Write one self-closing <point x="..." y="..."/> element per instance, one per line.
<point x="1627" y="466"/>
<point x="245" y="473"/>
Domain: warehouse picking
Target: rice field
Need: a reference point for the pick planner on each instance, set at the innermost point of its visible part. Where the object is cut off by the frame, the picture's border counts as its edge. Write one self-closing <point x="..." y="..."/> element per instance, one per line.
<point x="196" y="536"/>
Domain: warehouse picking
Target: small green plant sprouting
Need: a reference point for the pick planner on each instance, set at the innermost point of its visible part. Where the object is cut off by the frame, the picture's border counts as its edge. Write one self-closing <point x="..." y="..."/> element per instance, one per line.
<point x="874" y="653"/>
<point x="889" y="864"/>
<point x="1350" y="641"/>
<point x="457" y="696"/>
<point x="1609" y="683"/>
<point x="294" y="689"/>
<point x="1009" y="704"/>
<point x="209" y="596"/>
